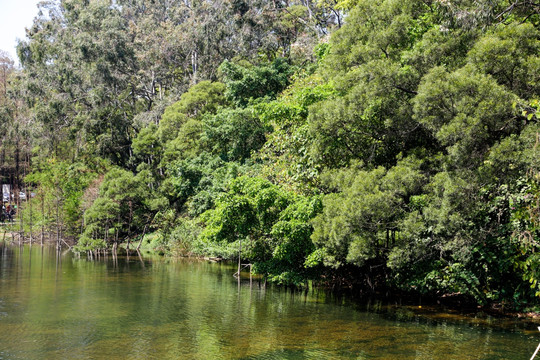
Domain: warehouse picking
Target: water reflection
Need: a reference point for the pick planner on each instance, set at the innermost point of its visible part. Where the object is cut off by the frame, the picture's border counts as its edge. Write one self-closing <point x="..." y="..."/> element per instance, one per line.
<point x="54" y="305"/>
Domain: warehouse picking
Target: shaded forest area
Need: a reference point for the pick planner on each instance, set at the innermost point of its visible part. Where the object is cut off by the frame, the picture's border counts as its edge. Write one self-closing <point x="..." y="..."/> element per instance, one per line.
<point x="359" y="144"/>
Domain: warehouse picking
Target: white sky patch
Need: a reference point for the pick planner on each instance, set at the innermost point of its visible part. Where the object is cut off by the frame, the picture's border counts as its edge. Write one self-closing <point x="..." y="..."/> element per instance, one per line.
<point x="15" y="16"/>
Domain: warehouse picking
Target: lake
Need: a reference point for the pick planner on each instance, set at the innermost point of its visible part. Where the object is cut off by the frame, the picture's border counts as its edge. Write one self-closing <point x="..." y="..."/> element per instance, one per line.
<point x="58" y="306"/>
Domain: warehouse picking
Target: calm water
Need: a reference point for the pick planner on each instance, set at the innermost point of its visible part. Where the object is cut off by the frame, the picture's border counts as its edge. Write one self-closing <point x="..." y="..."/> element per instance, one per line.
<point x="61" y="307"/>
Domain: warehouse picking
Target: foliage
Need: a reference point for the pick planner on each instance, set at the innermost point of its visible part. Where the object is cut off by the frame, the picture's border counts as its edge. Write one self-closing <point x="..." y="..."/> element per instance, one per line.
<point x="197" y="182"/>
<point x="467" y="125"/>
<point x="124" y="204"/>
<point x="233" y="134"/>
<point x="252" y="82"/>
<point x="525" y="218"/>
<point x="183" y="240"/>
<point x="360" y="221"/>
<point x="271" y="225"/>
<point x="204" y="97"/>
<point x="400" y="151"/>
<point x="59" y="187"/>
<point x="286" y="156"/>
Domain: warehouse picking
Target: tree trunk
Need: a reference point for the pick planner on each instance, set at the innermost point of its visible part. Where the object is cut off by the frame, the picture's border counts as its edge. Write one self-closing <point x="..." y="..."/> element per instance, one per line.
<point x="50" y="225"/>
<point x="142" y="238"/>
<point x="21" y="225"/>
<point x="42" y="217"/>
<point x="239" y="259"/>
<point x="57" y="226"/>
<point x="29" y="204"/>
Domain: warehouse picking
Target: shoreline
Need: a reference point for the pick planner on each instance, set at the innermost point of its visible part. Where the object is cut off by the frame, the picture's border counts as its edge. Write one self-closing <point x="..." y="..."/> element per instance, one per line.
<point x="448" y="303"/>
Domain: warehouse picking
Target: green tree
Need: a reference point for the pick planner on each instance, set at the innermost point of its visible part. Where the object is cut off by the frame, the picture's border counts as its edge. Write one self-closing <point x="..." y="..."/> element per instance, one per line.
<point x="359" y="222"/>
<point x="286" y="155"/>
<point x="204" y="97"/>
<point x="270" y="224"/>
<point x="244" y="83"/>
<point x="510" y="55"/>
<point x="124" y="207"/>
<point x="233" y="134"/>
<point x="466" y="111"/>
<point x="194" y="184"/>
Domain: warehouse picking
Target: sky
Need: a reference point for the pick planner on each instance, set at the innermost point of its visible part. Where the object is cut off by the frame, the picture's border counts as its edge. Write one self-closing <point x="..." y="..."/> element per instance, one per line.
<point x="15" y="16"/>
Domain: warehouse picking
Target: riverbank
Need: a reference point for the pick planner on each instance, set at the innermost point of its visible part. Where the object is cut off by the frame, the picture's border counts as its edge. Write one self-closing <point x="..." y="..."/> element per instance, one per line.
<point x="23" y="238"/>
<point x="440" y="307"/>
<point x="453" y="304"/>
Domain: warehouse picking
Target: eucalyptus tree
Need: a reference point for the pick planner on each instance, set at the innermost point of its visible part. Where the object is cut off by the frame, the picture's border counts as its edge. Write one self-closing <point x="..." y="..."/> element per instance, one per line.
<point x="84" y="97"/>
<point x="6" y="69"/>
<point x="6" y="113"/>
<point x="15" y="126"/>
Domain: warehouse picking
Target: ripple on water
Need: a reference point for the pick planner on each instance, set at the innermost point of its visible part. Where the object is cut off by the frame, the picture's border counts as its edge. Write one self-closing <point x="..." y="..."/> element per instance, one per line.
<point x="295" y="354"/>
<point x="192" y="310"/>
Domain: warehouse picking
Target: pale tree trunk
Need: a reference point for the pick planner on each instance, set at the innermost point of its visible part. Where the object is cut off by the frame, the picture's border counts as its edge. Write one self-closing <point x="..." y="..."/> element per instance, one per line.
<point x="42" y="217"/>
<point x="29" y="204"/>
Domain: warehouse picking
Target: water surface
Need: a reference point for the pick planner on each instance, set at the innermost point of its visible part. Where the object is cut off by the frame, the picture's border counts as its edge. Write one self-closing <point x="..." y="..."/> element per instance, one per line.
<point x="57" y="306"/>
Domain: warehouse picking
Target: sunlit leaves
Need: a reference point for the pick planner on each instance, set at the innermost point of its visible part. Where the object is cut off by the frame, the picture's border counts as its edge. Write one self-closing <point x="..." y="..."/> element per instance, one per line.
<point x="466" y="111"/>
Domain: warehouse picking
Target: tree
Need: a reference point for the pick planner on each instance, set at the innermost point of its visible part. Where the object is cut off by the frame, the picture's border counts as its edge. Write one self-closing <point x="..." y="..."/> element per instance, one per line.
<point x="360" y="222"/>
<point x="233" y="134"/>
<point x="510" y="55"/>
<point x="6" y="69"/>
<point x="466" y="111"/>
<point x="245" y="83"/>
<point x="124" y="207"/>
<point x="286" y="155"/>
<point x="271" y="225"/>
<point x="204" y="97"/>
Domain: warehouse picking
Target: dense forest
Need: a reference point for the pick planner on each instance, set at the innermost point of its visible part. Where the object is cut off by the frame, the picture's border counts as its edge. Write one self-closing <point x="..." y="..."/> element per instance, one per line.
<point x="366" y="144"/>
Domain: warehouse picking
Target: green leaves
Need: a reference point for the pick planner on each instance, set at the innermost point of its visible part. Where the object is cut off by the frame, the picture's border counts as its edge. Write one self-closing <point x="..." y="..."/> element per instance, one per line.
<point x="273" y="225"/>
<point x="356" y="223"/>
<point x="124" y="204"/>
<point x="233" y="134"/>
<point x="244" y="84"/>
<point x="62" y="185"/>
<point x="510" y="55"/>
<point x="525" y="219"/>
<point x="466" y="111"/>
<point x="417" y="121"/>
<point x="204" y="97"/>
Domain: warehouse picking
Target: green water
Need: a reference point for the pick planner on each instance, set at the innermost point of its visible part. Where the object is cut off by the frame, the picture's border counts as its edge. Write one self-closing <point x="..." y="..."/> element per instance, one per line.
<point x="56" y="306"/>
